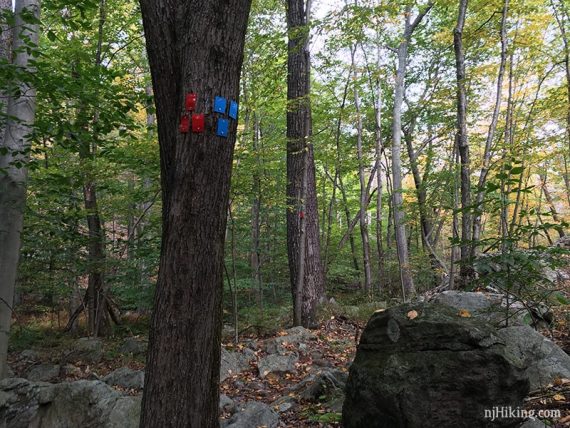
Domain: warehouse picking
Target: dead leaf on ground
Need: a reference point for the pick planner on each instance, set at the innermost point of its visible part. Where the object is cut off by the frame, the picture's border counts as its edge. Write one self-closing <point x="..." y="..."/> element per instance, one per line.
<point x="412" y="315"/>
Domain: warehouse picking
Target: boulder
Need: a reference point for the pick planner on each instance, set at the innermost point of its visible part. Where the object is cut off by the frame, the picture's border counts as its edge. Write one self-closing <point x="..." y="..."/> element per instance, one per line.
<point x="542" y="359"/>
<point x="125" y="378"/>
<point x="25" y="404"/>
<point x="494" y="308"/>
<point x="43" y="372"/>
<point x="227" y="405"/>
<point x="276" y="364"/>
<point x="322" y="382"/>
<point x="233" y="363"/>
<point x="284" y="403"/>
<point x="88" y="349"/>
<point x="29" y="355"/>
<point x="252" y="415"/>
<point x="297" y="336"/>
<point x="133" y="346"/>
<point x="424" y="365"/>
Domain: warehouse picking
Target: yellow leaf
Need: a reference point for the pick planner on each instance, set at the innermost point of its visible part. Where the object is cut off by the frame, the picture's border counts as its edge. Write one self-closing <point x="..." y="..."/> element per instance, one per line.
<point x="464" y="313"/>
<point x="412" y="315"/>
<point x="559" y="397"/>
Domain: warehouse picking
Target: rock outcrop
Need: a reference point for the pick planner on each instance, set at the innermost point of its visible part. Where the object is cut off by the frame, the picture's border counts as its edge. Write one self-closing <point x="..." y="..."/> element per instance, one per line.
<point x="426" y="365"/>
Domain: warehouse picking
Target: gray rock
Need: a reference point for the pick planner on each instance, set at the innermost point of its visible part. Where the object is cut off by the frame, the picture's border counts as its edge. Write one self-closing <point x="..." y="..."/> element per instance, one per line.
<point x="29" y="355"/>
<point x="276" y="364"/>
<point x="43" y="372"/>
<point x="71" y="370"/>
<point x="494" y="308"/>
<point x="25" y="404"/>
<point x="125" y="413"/>
<point x="227" y="405"/>
<point x="88" y="349"/>
<point x="297" y="336"/>
<point x="233" y="363"/>
<point x="133" y="346"/>
<point x="125" y="378"/>
<point x="407" y="365"/>
<point x="534" y="423"/>
<point x="324" y="381"/>
<point x="284" y="403"/>
<point x="254" y="414"/>
<point x="543" y="360"/>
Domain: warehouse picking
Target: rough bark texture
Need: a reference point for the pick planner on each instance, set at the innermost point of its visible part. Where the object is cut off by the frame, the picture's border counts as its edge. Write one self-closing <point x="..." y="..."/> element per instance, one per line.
<point x="192" y="47"/>
<point x="13" y="171"/>
<point x="466" y="270"/>
<point x="301" y="197"/>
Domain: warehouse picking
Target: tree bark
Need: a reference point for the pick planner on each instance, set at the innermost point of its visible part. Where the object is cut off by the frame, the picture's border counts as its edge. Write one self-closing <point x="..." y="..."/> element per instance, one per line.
<point x="255" y="214"/>
<point x="363" y="197"/>
<point x="192" y="47"/>
<point x="487" y="154"/>
<point x="466" y="269"/>
<point x="21" y="115"/>
<point x="399" y="221"/>
<point x="303" y="240"/>
<point x="379" y="149"/>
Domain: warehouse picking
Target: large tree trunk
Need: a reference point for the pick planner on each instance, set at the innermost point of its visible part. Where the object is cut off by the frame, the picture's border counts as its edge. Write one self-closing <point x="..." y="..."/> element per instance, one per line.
<point x="192" y="47"/>
<point x="303" y="246"/>
<point x="466" y="270"/>
<point x="21" y="115"/>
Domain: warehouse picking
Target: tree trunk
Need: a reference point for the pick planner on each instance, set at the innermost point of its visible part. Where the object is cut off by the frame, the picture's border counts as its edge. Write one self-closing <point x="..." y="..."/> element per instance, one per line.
<point x="255" y="215"/>
<point x="303" y="246"/>
<point x="21" y="115"/>
<point x="466" y="269"/>
<point x="192" y="47"/>
<point x="399" y="222"/>
<point x="561" y="15"/>
<point x="379" y="149"/>
<point x="363" y="197"/>
<point x="479" y="201"/>
<point x="550" y="202"/>
<point x="397" y="197"/>
<point x="98" y="322"/>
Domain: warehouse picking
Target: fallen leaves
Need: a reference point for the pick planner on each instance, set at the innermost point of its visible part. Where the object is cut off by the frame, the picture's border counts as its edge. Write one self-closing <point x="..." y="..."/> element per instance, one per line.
<point x="464" y="313"/>
<point x="412" y="315"/>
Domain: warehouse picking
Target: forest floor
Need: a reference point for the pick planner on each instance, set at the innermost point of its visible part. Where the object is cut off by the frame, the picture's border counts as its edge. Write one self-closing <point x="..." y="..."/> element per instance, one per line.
<point x="334" y="347"/>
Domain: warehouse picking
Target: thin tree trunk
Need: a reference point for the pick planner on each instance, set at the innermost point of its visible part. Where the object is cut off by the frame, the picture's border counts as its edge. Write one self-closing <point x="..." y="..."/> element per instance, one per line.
<point x="399" y="221"/>
<point x="479" y="201"/>
<point x="303" y="246"/>
<point x="202" y="55"/>
<point x="466" y="270"/>
<point x="255" y="215"/>
<point x="98" y="322"/>
<point x="455" y="253"/>
<point x="561" y="15"/>
<point x="363" y="197"/>
<point x="379" y="148"/>
<point x="21" y="115"/>
<point x="551" y="205"/>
